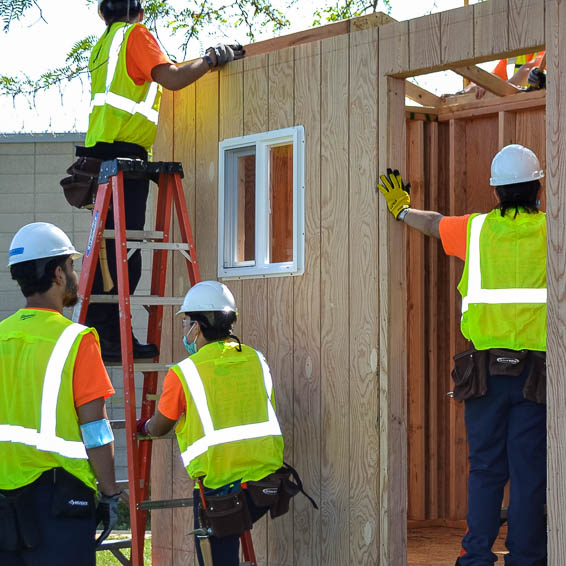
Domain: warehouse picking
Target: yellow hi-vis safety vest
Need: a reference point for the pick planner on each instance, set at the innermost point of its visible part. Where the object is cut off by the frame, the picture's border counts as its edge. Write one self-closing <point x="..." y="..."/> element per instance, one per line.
<point x="39" y="427"/>
<point x="230" y="431"/>
<point x="503" y="285"/>
<point x="120" y="109"/>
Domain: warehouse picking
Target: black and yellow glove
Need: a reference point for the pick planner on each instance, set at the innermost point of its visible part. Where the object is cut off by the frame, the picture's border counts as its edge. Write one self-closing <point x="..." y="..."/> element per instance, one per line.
<point x="395" y="192"/>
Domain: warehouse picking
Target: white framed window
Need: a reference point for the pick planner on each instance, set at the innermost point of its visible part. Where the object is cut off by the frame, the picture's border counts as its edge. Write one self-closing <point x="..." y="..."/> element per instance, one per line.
<point x="261" y="204"/>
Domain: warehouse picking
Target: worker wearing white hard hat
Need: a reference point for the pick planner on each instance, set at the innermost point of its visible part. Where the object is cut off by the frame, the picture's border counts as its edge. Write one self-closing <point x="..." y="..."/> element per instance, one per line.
<point x="228" y="431"/>
<point x="502" y="378"/>
<point x="56" y="443"/>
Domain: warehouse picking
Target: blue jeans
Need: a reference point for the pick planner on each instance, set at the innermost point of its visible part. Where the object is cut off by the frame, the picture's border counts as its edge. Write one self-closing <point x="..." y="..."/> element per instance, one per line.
<point x="507" y="441"/>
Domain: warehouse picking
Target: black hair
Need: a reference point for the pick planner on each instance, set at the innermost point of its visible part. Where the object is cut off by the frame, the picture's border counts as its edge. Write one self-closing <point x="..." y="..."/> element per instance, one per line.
<point x="216" y="325"/>
<point x="37" y="275"/>
<point x="518" y="195"/>
<point x="116" y="10"/>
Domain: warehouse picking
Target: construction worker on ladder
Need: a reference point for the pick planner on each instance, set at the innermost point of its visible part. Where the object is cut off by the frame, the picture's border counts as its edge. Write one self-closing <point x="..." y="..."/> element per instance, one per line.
<point x="55" y="439"/>
<point x="228" y="432"/>
<point x="502" y="378"/>
<point x="128" y="69"/>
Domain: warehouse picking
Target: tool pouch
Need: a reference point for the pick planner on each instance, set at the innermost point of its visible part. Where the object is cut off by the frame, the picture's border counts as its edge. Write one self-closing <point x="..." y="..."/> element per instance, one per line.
<point x="71" y="497"/>
<point x="265" y="492"/>
<point x="535" y="385"/>
<point x="509" y="363"/>
<point x="18" y="523"/>
<point x="227" y="515"/>
<point x="470" y="374"/>
<point x="81" y="185"/>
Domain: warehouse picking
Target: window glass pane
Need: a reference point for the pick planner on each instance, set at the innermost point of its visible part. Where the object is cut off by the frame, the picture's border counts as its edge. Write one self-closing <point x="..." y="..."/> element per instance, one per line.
<point x="281" y="203"/>
<point x="245" y="209"/>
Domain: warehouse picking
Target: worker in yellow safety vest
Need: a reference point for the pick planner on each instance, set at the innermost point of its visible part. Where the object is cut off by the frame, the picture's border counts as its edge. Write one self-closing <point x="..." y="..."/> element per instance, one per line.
<point x="228" y="431"/>
<point x="128" y="70"/>
<point x="55" y="438"/>
<point x="502" y="377"/>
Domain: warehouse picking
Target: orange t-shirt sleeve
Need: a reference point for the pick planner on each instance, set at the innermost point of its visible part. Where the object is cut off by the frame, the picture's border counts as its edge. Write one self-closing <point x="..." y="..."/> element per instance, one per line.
<point x="143" y="54"/>
<point x="501" y="69"/>
<point x="172" y="403"/>
<point x="453" y="235"/>
<point x="90" y="378"/>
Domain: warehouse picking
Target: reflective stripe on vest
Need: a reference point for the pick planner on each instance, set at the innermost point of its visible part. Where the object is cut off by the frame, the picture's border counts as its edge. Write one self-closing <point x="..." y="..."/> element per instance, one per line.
<point x="144" y="108"/>
<point x="46" y="439"/>
<point x="214" y="437"/>
<point x="476" y="294"/>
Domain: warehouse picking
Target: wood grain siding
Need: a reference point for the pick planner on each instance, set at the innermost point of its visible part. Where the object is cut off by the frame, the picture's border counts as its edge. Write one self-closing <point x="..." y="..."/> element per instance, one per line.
<point x="280" y="301"/>
<point x="457" y="34"/>
<point x="490" y="27"/>
<point x="526" y="23"/>
<point x="254" y="306"/>
<point x="556" y="267"/>
<point x="307" y="310"/>
<point x="363" y="307"/>
<point x="335" y="331"/>
<point x="424" y="42"/>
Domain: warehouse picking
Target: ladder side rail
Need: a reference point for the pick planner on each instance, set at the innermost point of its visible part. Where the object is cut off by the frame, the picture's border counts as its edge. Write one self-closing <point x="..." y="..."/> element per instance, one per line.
<point x="248" y="548"/>
<point x="158" y="280"/>
<point x="90" y="258"/>
<point x="185" y="226"/>
<point x="138" y="530"/>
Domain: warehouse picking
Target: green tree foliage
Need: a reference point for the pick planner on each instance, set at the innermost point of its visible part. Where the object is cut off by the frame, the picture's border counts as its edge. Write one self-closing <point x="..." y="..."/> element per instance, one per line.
<point x="345" y="9"/>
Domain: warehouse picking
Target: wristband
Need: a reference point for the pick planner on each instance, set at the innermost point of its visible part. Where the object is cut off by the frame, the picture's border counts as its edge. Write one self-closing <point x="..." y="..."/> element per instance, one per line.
<point x="402" y="214"/>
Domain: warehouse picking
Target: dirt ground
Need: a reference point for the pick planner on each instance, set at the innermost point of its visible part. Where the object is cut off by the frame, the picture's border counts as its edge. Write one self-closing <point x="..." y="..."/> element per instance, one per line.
<point x="440" y="546"/>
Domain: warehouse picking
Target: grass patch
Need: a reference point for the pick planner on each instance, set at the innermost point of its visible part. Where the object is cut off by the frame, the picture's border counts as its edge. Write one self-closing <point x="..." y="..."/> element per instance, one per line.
<point x="106" y="558"/>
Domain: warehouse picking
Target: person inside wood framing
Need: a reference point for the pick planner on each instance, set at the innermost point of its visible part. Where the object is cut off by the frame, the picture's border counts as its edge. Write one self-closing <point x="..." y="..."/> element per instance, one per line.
<point x="228" y="433"/>
<point x="128" y="70"/>
<point x="55" y="438"/>
<point x="502" y="377"/>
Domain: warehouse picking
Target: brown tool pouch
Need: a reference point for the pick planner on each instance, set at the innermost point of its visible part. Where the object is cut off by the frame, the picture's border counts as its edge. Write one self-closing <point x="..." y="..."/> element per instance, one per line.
<point x="81" y="185"/>
<point x="470" y="374"/>
<point x="509" y="363"/>
<point x="18" y="524"/>
<point x="226" y="515"/>
<point x="535" y="386"/>
<point x="265" y="492"/>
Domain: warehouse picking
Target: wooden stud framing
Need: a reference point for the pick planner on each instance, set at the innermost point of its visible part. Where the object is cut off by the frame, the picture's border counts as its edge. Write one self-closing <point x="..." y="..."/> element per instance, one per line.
<point x="490" y="82"/>
<point x="421" y="95"/>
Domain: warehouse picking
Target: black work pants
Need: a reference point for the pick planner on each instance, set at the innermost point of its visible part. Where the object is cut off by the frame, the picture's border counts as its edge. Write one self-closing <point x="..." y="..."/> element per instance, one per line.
<point x="62" y="540"/>
<point x="225" y="551"/>
<point x="105" y="317"/>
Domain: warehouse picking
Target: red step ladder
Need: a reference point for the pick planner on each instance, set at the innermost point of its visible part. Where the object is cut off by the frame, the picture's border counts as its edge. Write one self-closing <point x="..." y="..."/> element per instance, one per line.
<point x="111" y="188"/>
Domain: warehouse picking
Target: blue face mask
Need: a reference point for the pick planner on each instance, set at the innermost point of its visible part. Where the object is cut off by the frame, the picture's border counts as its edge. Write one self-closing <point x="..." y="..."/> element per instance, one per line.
<point x="191" y="347"/>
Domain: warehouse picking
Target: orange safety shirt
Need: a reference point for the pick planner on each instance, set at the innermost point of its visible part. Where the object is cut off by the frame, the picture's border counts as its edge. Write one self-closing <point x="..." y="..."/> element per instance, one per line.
<point x="172" y="403"/>
<point x="90" y="378"/>
<point x="453" y="235"/>
<point x="143" y="54"/>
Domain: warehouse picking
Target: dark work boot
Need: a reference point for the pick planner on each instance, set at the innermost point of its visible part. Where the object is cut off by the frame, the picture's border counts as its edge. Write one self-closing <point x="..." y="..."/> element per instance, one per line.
<point x="112" y="351"/>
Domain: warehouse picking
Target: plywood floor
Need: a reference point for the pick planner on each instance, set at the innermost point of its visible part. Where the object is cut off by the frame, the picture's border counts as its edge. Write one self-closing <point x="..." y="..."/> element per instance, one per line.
<point x="440" y="546"/>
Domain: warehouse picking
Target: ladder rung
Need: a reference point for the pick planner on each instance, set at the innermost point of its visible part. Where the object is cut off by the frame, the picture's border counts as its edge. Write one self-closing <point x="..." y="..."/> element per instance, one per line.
<point x="139" y="300"/>
<point x="136" y="234"/>
<point x="115" y="544"/>
<point x="157" y="246"/>
<point x="165" y="504"/>
<point x="143" y="366"/>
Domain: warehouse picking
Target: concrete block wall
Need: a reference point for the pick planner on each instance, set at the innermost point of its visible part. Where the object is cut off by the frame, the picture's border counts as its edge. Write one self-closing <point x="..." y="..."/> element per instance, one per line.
<point x="31" y="167"/>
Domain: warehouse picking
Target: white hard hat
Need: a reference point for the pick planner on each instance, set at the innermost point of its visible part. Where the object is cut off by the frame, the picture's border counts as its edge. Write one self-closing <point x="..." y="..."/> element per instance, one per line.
<point x="514" y="164"/>
<point x="40" y="240"/>
<point x="208" y="296"/>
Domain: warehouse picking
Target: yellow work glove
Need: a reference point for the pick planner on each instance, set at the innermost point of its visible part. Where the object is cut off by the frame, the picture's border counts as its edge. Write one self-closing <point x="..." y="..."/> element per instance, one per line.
<point x="395" y="192"/>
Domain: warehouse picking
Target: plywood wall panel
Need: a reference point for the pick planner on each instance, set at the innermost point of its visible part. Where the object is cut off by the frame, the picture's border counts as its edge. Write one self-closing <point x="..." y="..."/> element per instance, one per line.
<point x="416" y="380"/>
<point x="394" y="39"/>
<point x="307" y="309"/>
<point x="184" y="151"/>
<point x="457" y="34"/>
<point x="335" y="369"/>
<point x="254" y="303"/>
<point x="280" y="300"/>
<point x="556" y="267"/>
<point x="231" y="125"/>
<point x="392" y="480"/>
<point x="526" y="23"/>
<point x="424" y="42"/>
<point x="491" y="27"/>
<point x="363" y="307"/>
